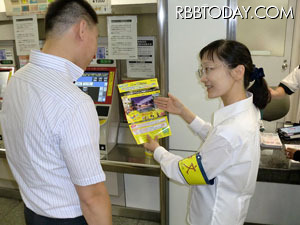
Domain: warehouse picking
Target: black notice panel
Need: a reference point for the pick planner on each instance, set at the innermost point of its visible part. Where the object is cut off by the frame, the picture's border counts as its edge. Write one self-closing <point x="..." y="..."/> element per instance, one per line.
<point x="102" y="110"/>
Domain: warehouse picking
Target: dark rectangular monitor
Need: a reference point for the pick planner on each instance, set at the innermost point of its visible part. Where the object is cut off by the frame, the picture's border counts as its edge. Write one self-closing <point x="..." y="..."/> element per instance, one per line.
<point x="102" y="110"/>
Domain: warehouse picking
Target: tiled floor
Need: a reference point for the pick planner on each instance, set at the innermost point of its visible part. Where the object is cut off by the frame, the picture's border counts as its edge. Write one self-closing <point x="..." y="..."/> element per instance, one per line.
<point x="11" y="213"/>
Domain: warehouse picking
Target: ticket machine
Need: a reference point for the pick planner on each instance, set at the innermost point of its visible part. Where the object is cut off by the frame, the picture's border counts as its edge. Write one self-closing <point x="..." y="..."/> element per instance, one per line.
<point x="7" y="68"/>
<point x="99" y="81"/>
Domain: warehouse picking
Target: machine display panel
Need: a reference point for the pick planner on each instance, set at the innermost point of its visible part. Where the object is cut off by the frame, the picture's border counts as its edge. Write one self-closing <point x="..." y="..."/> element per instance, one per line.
<point x="98" y="84"/>
<point x="5" y="74"/>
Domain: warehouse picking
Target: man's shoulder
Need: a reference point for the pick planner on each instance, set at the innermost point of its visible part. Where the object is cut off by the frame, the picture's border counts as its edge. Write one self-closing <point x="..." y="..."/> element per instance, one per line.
<point x="52" y="84"/>
<point x="69" y="95"/>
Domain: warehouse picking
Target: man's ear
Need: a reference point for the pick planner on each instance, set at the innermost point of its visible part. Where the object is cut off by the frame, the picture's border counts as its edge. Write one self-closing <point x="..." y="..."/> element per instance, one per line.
<point x="238" y="72"/>
<point x="82" y="27"/>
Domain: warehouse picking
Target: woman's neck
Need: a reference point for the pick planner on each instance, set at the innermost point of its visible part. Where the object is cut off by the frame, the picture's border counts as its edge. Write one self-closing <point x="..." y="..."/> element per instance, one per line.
<point x="233" y="97"/>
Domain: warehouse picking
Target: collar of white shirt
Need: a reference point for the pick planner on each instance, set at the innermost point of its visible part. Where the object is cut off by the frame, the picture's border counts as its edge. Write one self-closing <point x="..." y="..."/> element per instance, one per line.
<point x="57" y="63"/>
<point x="232" y="110"/>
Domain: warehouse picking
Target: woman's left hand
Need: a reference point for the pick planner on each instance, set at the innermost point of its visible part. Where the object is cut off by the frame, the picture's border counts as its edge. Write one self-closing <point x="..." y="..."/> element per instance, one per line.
<point x="151" y="145"/>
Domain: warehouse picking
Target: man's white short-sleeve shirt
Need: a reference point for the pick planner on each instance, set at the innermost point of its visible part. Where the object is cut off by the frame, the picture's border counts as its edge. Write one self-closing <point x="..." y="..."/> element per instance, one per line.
<point x="51" y="134"/>
<point x="292" y="81"/>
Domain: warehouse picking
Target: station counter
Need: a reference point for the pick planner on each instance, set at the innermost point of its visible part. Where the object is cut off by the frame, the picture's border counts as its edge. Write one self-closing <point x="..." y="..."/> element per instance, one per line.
<point x="131" y="159"/>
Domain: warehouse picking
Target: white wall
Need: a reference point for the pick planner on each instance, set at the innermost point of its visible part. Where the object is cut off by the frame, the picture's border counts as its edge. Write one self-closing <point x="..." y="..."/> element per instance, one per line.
<point x="186" y="39"/>
<point x="2" y="6"/>
<point x="142" y="192"/>
<point x="274" y="203"/>
<point x="178" y="198"/>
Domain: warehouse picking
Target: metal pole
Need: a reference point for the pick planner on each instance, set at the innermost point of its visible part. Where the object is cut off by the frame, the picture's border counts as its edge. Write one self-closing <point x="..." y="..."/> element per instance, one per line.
<point x="231" y="23"/>
<point x="162" y="22"/>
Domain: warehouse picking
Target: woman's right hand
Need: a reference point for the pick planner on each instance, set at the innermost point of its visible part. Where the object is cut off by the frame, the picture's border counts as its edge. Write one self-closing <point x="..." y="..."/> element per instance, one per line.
<point x="170" y="104"/>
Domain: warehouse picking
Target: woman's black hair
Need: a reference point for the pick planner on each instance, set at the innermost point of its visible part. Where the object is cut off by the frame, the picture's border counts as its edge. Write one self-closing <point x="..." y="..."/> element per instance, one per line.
<point x="234" y="53"/>
<point x="62" y="14"/>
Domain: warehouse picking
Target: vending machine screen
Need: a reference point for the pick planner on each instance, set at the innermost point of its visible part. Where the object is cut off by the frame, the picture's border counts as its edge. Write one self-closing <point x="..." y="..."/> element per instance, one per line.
<point x="94" y="83"/>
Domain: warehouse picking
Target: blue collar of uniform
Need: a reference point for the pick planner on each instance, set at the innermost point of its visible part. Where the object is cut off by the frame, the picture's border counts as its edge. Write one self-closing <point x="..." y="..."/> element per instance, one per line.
<point x="57" y="63"/>
<point x="232" y="110"/>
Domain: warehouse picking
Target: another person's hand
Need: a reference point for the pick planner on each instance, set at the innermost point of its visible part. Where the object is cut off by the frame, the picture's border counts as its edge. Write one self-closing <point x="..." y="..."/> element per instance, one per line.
<point x="171" y="104"/>
<point x="290" y="152"/>
<point x="151" y="145"/>
<point x="277" y="93"/>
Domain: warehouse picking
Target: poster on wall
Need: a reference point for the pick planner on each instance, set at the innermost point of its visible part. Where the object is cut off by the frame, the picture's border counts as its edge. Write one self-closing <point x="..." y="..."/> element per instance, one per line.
<point x="101" y="6"/>
<point x="122" y="37"/>
<point x="26" y="34"/>
<point x="25" y="7"/>
<point x="144" y="66"/>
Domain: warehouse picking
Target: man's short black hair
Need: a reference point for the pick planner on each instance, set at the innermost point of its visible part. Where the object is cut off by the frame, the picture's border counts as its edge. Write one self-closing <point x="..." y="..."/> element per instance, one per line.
<point x="62" y="14"/>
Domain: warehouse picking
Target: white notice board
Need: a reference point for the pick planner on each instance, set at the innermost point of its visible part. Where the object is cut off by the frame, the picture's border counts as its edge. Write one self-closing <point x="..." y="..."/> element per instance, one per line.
<point x="26" y="34"/>
<point x="144" y="66"/>
<point x="186" y="38"/>
<point x="122" y="37"/>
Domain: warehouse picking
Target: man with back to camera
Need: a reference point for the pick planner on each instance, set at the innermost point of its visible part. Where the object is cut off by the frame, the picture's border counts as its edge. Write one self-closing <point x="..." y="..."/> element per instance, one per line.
<point x="289" y="85"/>
<point x="51" y="127"/>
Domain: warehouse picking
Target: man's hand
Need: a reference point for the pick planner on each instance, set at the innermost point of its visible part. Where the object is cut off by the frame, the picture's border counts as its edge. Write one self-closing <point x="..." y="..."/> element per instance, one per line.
<point x="290" y="152"/>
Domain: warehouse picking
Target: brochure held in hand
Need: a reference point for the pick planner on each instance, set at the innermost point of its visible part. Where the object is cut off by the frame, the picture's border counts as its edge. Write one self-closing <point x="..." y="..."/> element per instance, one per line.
<point x="141" y="112"/>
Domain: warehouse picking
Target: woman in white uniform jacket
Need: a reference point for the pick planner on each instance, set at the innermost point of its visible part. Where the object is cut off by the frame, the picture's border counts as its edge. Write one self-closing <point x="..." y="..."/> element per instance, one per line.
<point x="223" y="173"/>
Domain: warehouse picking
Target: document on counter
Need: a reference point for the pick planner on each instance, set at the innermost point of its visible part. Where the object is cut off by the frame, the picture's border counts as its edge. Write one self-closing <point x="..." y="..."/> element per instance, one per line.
<point x="26" y="34"/>
<point x="144" y="66"/>
<point x="122" y="37"/>
<point x="292" y="146"/>
<point x="289" y="133"/>
<point x="141" y="112"/>
<point x="270" y="140"/>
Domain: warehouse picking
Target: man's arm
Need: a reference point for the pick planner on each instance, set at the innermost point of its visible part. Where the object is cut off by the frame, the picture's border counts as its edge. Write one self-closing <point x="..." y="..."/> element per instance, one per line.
<point x="278" y="92"/>
<point x="95" y="204"/>
<point x="288" y="85"/>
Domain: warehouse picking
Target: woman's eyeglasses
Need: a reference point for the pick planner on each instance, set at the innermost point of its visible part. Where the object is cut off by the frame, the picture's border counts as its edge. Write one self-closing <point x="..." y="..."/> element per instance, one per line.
<point x="207" y="70"/>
